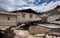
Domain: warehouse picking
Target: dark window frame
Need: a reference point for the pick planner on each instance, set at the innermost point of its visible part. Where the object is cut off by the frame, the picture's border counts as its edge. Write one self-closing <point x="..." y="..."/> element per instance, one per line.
<point x="8" y="18"/>
<point x="23" y="14"/>
<point x="31" y="15"/>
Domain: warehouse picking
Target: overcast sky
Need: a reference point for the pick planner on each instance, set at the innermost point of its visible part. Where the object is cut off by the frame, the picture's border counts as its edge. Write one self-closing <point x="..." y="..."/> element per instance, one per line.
<point x="36" y="5"/>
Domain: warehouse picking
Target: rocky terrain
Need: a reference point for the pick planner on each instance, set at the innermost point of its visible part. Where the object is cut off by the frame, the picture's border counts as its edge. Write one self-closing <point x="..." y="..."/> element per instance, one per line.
<point x="23" y="34"/>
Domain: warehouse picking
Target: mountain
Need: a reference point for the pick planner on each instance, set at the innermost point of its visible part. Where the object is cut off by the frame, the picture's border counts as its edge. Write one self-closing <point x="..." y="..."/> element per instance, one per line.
<point x="3" y="10"/>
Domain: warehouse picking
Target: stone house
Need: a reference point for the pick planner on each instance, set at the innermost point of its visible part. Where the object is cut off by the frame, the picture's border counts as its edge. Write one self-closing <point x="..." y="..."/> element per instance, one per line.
<point x="19" y="16"/>
<point x="26" y="15"/>
<point x="7" y="19"/>
<point x="54" y="15"/>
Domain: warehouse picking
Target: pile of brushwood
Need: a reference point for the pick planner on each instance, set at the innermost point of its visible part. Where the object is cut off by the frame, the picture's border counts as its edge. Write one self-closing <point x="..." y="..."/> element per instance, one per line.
<point x="8" y="33"/>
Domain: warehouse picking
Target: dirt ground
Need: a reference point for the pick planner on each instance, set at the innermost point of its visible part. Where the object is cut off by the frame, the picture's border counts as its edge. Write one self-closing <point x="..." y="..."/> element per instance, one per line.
<point x="22" y="34"/>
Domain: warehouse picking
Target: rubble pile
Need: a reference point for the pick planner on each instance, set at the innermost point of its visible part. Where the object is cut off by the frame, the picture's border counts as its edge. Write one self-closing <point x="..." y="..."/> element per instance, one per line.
<point x="22" y="34"/>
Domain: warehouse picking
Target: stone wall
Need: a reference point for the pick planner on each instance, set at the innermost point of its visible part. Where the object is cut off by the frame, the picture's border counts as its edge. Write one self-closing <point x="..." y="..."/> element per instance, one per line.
<point x="38" y="29"/>
<point x="6" y="20"/>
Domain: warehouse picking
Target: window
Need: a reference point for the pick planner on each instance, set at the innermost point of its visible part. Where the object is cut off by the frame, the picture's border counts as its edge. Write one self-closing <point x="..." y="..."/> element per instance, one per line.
<point x="31" y="15"/>
<point x="8" y="18"/>
<point x="23" y="14"/>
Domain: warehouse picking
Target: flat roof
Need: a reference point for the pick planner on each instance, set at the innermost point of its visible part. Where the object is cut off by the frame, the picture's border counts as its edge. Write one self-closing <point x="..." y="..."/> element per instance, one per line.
<point x="49" y="25"/>
<point x="7" y="13"/>
<point x="57" y="22"/>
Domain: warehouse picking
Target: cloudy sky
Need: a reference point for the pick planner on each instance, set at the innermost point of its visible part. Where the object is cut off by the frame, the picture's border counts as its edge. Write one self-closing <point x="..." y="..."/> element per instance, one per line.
<point x="36" y="5"/>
